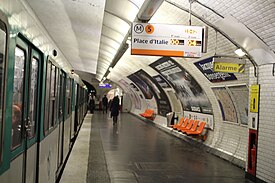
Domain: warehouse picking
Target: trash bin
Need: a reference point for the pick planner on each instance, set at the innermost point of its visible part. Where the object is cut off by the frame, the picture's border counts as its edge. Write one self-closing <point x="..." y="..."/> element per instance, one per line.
<point x="170" y="118"/>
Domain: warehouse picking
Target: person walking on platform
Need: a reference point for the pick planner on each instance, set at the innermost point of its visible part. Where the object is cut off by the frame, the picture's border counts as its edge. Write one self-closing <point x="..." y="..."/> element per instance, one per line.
<point x="91" y="104"/>
<point x="104" y="104"/>
<point x="115" y="109"/>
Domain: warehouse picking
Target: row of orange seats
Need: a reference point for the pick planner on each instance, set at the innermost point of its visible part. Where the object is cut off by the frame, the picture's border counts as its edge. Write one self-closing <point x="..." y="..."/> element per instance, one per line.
<point x="189" y="126"/>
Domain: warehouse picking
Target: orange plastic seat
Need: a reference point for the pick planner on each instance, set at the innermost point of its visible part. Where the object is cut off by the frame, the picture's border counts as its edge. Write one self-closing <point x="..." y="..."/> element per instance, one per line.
<point x="184" y="125"/>
<point x="198" y="131"/>
<point x="148" y="113"/>
<point x="178" y="124"/>
<point x="188" y="126"/>
<point x="192" y="128"/>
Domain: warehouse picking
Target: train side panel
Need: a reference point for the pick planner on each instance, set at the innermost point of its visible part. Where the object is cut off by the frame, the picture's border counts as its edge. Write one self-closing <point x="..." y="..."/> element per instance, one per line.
<point x="67" y="139"/>
<point x="31" y="167"/>
<point x="48" y="157"/>
<point x="13" y="174"/>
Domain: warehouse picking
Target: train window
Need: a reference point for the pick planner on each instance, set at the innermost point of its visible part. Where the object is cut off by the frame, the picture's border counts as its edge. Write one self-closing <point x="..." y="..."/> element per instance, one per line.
<point x="62" y="95"/>
<point x="68" y="95"/>
<point x="47" y="100"/>
<point x="3" y="43"/>
<point x="17" y="104"/>
<point x="33" y="95"/>
<point x="51" y="92"/>
<point x="52" y="113"/>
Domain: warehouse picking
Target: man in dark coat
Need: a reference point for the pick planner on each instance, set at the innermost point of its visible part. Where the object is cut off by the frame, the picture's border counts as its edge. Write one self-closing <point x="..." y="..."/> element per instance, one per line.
<point x="115" y="109"/>
<point x="105" y="103"/>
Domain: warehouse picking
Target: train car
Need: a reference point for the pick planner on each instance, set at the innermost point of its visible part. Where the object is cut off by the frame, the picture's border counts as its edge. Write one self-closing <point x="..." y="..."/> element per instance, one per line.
<point x="42" y="104"/>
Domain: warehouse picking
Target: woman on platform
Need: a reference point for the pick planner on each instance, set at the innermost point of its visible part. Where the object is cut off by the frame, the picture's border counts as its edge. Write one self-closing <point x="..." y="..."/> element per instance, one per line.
<point x="115" y="109"/>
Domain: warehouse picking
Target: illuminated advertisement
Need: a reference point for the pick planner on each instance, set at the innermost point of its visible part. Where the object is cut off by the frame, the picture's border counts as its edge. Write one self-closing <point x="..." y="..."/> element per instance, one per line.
<point x="152" y="89"/>
<point x="161" y="81"/>
<point x="145" y="89"/>
<point x="131" y="89"/>
<point x="189" y="92"/>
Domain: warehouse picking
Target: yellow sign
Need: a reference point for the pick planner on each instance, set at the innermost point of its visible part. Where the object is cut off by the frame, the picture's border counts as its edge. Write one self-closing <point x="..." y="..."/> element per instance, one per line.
<point x="228" y="67"/>
<point x="254" y="98"/>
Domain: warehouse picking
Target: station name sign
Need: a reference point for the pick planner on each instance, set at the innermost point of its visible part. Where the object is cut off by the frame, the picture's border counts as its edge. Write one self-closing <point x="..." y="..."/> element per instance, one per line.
<point x="168" y="40"/>
<point x="102" y="85"/>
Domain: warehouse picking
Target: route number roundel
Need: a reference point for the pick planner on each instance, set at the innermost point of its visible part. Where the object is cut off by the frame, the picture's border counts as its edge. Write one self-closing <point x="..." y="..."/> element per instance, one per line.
<point x="149" y="29"/>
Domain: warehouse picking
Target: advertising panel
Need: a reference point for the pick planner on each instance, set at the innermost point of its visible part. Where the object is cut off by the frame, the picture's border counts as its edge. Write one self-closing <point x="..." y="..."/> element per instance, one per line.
<point x="206" y="67"/>
<point x="189" y="92"/>
<point x="208" y="118"/>
<point x="132" y="90"/>
<point x="162" y="100"/>
<point x="239" y="94"/>
<point x="142" y="86"/>
<point x="161" y="81"/>
<point x="226" y="104"/>
<point x="167" y="40"/>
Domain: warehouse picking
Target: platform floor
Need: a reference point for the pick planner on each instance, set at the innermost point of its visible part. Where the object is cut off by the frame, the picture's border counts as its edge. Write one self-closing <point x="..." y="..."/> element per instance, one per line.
<point x="135" y="152"/>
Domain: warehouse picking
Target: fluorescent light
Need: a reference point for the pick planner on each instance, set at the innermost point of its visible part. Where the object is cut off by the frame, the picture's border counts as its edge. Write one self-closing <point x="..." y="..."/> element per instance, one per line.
<point x="240" y="52"/>
<point x="128" y="41"/>
<point x="148" y="9"/>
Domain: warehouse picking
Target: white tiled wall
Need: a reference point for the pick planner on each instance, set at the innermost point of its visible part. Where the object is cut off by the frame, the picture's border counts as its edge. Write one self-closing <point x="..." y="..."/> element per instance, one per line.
<point x="266" y="129"/>
<point x="226" y="137"/>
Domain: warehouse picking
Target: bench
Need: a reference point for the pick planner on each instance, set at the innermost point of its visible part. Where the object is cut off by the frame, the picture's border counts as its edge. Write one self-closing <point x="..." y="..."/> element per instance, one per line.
<point x="148" y="114"/>
<point x="191" y="127"/>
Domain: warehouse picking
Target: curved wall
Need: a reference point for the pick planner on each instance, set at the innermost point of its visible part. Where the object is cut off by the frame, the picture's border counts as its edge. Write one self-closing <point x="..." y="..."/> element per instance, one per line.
<point x="229" y="99"/>
<point x="227" y="138"/>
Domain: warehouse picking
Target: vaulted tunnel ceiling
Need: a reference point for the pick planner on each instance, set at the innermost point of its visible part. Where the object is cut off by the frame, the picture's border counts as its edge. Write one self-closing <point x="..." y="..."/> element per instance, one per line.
<point x="90" y="32"/>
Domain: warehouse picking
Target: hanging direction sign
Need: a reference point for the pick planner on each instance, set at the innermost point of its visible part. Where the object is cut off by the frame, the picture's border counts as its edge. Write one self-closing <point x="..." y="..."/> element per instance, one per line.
<point x="228" y="65"/>
<point x="168" y="40"/>
<point x="206" y="66"/>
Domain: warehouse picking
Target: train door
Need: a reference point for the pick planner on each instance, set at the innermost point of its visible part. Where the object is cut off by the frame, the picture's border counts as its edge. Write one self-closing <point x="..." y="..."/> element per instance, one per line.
<point x="61" y="117"/>
<point x="25" y="109"/>
<point x="4" y="132"/>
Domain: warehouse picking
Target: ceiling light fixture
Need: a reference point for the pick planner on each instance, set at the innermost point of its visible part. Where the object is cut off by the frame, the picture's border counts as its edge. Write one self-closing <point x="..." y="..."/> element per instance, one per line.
<point x="240" y="52"/>
<point x="148" y="9"/>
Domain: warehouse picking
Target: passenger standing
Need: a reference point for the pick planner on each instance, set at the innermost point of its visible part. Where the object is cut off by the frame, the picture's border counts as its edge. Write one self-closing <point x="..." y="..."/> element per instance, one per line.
<point x="115" y="109"/>
<point x="91" y="104"/>
<point x="104" y="104"/>
<point x="16" y="125"/>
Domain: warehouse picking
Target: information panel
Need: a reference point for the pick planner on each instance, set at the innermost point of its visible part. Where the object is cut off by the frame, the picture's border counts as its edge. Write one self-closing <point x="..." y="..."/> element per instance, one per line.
<point x="167" y="40"/>
<point x="206" y="67"/>
<point x="254" y="98"/>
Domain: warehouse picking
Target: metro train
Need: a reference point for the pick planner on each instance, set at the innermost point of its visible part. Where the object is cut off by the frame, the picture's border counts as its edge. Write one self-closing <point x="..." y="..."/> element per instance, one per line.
<point x="42" y="105"/>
